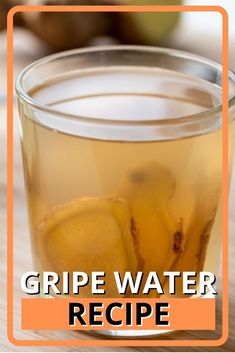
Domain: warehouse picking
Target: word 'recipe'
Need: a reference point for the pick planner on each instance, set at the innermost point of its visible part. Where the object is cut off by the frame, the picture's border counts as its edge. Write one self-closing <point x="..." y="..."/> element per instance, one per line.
<point x="96" y="311"/>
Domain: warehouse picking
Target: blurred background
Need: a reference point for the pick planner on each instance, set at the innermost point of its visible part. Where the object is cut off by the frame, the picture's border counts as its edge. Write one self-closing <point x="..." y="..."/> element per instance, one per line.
<point x="39" y="34"/>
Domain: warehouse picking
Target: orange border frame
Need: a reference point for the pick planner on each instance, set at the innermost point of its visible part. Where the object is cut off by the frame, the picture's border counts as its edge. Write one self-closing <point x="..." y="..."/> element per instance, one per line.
<point x="10" y="294"/>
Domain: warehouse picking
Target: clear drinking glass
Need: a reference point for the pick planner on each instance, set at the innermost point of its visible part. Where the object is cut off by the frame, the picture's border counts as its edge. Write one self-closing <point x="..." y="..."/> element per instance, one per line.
<point x="122" y="154"/>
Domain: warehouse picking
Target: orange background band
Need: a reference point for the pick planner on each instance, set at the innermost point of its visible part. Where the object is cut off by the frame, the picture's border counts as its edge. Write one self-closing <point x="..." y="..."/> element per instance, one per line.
<point x="53" y="314"/>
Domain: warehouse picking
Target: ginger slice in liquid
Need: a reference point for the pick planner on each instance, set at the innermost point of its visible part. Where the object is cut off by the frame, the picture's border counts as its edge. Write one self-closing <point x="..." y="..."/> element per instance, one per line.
<point x="90" y="234"/>
<point x="192" y="258"/>
<point x="166" y="243"/>
<point x="193" y="254"/>
<point x="148" y="189"/>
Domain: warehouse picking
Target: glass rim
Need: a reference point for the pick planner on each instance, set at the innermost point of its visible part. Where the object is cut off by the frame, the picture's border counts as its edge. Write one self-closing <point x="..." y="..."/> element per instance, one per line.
<point x="168" y="51"/>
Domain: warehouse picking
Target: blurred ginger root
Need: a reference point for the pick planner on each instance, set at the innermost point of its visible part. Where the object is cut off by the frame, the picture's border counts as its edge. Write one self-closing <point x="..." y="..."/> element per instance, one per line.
<point x="68" y="30"/>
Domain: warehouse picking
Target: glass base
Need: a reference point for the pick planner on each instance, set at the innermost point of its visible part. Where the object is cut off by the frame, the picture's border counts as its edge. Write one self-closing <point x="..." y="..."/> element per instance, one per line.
<point x="132" y="333"/>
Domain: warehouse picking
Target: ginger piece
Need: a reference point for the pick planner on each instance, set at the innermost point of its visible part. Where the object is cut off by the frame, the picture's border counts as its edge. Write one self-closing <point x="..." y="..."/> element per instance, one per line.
<point x="89" y="234"/>
<point x="197" y="234"/>
<point x="148" y="189"/>
<point x="168" y="243"/>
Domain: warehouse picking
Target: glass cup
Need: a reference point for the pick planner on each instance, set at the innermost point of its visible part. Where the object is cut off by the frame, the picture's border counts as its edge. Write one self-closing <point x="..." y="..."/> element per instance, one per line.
<point x="122" y="155"/>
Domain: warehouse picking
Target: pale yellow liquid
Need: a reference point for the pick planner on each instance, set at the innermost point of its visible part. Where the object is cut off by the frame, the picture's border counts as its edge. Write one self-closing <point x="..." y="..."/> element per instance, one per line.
<point x="61" y="167"/>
